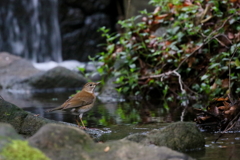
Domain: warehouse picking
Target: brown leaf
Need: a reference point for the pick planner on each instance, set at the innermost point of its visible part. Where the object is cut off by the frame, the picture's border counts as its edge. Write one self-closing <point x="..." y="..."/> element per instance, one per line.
<point x="107" y="149"/>
<point x="224" y="108"/>
<point x="226" y="104"/>
<point x="230" y="35"/>
<point x="225" y="83"/>
<point x="221" y="99"/>
<point x="237" y="37"/>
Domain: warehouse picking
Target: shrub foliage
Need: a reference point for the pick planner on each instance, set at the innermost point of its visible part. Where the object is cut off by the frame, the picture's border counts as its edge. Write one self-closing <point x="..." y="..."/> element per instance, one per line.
<point x="184" y="47"/>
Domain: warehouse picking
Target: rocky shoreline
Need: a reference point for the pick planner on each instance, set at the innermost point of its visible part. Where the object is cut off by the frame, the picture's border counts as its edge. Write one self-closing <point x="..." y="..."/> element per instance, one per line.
<point x="60" y="141"/>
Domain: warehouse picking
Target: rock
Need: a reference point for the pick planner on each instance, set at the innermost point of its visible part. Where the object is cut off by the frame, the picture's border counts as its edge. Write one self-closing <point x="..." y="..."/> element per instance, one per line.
<point x="27" y="124"/>
<point x="64" y="142"/>
<point x="14" y="69"/>
<point x="119" y="150"/>
<point x="61" y="142"/>
<point x="181" y="136"/>
<point x="24" y="122"/>
<point x="19" y="75"/>
<point x="13" y="146"/>
<point x="109" y="93"/>
<point x="7" y="133"/>
<point x="58" y="77"/>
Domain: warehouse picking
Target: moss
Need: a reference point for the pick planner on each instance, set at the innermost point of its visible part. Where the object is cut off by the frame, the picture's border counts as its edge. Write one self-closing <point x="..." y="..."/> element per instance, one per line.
<point x="20" y="150"/>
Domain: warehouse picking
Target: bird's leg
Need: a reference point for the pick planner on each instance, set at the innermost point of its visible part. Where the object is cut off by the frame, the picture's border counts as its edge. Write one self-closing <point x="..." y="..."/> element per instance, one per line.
<point x="83" y="124"/>
<point x="80" y="117"/>
<point x="78" y="123"/>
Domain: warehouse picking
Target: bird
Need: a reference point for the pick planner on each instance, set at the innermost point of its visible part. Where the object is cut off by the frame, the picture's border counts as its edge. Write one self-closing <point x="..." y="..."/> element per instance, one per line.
<point x="81" y="102"/>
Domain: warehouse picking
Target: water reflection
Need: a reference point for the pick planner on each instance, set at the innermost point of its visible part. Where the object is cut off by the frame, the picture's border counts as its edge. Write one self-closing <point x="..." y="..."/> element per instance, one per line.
<point x="227" y="147"/>
<point x="102" y="114"/>
<point x="122" y="119"/>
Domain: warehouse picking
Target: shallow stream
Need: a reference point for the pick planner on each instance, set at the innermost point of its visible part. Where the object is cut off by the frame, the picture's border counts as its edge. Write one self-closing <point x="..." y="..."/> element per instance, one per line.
<point x="121" y="119"/>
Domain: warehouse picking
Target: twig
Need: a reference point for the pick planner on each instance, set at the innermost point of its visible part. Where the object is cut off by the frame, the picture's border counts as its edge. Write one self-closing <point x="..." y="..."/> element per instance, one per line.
<point x="179" y="81"/>
<point x="183" y="114"/>
<point x="183" y="93"/>
<point x="229" y="70"/>
<point x="215" y="31"/>
<point x="189" y="56"/>
<point x="227" y="127"/>
<point x="158" y="75"/>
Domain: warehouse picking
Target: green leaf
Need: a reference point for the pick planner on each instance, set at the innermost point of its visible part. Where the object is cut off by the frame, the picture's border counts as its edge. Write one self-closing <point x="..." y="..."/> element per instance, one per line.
<point x="204" y="77"/>
<point x="81" y="69"/>
<point x="237" y="62"/>
<point x="111" y="48"/>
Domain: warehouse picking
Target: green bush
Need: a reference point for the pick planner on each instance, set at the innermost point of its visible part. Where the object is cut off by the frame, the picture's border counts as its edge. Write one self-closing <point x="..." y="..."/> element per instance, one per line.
<point x="181" y="49"/>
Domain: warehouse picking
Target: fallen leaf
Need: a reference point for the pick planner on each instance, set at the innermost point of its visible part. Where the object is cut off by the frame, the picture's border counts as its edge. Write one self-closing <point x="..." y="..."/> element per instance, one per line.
<point x="107" y="149"/>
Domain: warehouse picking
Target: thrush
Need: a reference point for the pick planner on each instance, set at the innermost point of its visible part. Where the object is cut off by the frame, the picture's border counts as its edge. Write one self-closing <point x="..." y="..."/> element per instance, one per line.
<point x="81" y="102"/>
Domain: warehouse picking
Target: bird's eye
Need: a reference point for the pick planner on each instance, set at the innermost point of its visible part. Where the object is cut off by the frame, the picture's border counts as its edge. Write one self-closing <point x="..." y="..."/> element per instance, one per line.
<point x="90" y="85"/>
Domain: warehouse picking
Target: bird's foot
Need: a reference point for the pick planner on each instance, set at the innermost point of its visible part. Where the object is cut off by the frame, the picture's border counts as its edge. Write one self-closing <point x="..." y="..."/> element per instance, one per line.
<point x="82" y="127"/>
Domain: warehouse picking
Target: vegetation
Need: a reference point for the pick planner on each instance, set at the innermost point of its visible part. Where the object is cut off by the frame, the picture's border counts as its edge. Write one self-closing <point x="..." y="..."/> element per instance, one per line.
<point x="20" y="150"/>
<point x="183" y="49"/>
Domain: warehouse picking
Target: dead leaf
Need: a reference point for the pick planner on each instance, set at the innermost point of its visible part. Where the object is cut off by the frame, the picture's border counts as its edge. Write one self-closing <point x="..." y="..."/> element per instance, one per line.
<point x="107" y="149"/>
<point x="230" y="35"/>
<point x="225" y="83"/>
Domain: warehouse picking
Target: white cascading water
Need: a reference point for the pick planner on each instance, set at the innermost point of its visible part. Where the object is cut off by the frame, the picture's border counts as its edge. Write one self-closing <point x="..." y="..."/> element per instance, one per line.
<point x="30" y="29"/>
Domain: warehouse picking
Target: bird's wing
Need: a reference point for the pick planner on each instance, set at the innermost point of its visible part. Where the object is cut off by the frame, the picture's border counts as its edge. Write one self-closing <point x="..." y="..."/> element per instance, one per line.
<point x="78" y="100"/>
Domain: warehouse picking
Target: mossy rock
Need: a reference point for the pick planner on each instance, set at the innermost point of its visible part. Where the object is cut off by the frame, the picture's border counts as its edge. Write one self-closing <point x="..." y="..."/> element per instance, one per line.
<point x="13" y="146"/>
<point x="181" y="136"/>
<point x="24" y="122"/>
<point x="62" y="142"/>
<point x="20" y="150"/>
<point x="7" y="134"/>
<point x="27" y="124"/>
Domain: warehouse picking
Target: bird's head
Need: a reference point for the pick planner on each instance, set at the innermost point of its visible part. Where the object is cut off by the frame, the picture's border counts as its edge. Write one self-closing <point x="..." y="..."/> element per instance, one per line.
<point x="90" y="86"/>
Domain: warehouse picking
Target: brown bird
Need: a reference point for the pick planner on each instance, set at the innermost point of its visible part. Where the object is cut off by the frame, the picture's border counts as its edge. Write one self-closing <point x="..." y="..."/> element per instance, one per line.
<point x="81" y="102"/>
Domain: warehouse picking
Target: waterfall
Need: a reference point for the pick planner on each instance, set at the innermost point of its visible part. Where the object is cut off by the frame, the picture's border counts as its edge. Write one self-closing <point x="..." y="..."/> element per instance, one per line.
<point x="30" y="29"/>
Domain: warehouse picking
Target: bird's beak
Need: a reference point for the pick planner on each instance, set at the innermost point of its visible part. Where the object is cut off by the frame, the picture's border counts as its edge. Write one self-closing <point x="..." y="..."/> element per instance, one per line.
<point x="97" y="83"/>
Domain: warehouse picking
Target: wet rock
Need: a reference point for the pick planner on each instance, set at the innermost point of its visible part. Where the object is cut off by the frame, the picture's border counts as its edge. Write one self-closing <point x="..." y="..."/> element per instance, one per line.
<point x="24" y="122"/>
<point x="181" y="136"/>
<point x="27" y="124"/>
<point x="14" y="69"/>
<point x="58" y="77"/>
<point x="109" y="93"/>
<point x="13" y="146"/>
<point x="129" y="150"/>
<point x="7" y="133"/>
<point x="19" y="75"/>
<point x="60" y="142"/>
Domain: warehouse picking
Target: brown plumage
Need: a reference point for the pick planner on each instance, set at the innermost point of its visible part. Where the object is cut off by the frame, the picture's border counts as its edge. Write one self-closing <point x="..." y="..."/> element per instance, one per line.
<point x="81" y="102"/>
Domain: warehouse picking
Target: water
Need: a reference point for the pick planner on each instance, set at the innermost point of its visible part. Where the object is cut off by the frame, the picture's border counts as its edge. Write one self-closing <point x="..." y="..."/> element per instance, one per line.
<point x="30" y="29"/>
<point x="226" y="148"/>
<point x="122" y="119"/>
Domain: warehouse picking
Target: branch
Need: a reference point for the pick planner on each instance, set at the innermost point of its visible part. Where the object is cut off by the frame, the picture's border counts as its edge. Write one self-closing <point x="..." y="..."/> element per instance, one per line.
<point x="179" y="81"/>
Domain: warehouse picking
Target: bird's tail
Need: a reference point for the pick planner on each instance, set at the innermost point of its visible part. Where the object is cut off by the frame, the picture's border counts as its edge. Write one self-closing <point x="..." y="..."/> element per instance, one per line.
<point x="54" y="109"/>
